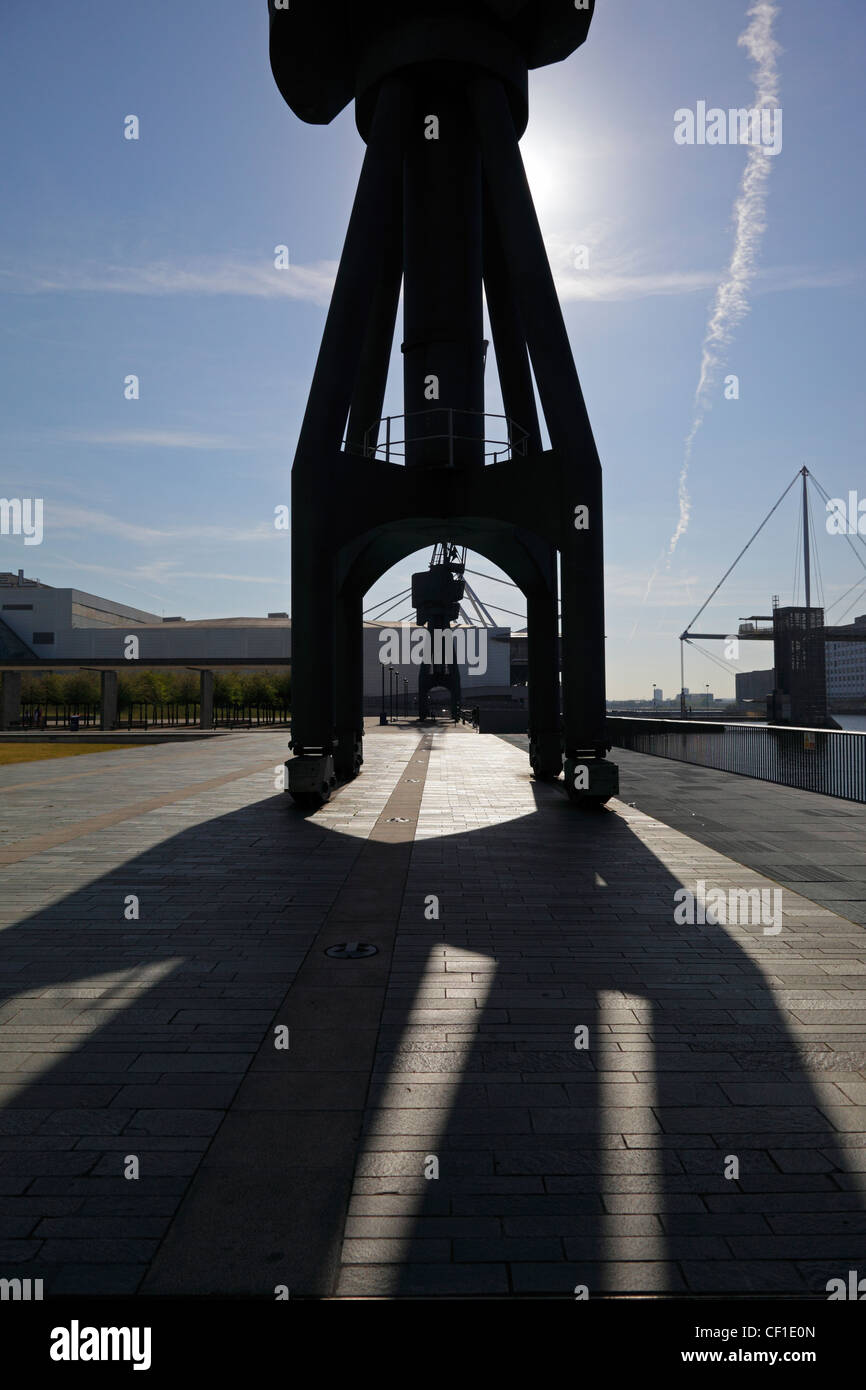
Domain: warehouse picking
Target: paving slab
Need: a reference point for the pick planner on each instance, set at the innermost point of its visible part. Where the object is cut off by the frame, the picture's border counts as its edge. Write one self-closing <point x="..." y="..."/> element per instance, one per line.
<point x="529" y="889"/>
<point x="542" y="1079"/>
<point x="803" y="840"/>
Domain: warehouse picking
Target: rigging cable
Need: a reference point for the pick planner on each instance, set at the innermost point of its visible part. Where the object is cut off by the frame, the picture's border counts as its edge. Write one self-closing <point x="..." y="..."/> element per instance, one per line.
<point x="817" y="559"/>
<point x="827" y="498"/>
<point x="743" y="551"/>
<point x="387" y="602"/>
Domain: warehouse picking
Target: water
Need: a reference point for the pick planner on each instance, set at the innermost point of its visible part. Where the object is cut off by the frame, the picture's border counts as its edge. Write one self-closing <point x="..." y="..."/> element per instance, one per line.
<point x="852" y="723"/>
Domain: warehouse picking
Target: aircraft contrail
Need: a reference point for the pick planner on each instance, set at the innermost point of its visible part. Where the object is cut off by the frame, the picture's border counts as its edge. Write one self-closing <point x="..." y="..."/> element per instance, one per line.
<point x="732" y="296"/>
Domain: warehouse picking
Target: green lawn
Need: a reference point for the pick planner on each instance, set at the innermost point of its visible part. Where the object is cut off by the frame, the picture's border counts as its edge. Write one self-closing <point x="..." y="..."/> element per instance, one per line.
<point x="35" y="752"/>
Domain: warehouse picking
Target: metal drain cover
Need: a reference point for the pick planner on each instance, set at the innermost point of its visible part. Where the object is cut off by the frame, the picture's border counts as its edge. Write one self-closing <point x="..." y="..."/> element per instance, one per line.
<point x="352" y="950"/>
<point x="398" y="820"/>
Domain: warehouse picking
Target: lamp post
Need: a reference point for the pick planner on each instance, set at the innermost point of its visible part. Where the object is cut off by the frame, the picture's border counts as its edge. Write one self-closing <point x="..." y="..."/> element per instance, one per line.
<point x="383" y="718"/>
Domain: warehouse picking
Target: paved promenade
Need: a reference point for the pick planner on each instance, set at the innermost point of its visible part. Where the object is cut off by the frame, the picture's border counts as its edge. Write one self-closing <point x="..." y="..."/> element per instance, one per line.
<point x="541" y="1080"/>
<point x="812" y="844"/>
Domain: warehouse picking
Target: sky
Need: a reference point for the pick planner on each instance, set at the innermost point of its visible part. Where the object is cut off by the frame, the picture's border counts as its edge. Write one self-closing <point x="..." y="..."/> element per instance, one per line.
<point x="155" y="258"/>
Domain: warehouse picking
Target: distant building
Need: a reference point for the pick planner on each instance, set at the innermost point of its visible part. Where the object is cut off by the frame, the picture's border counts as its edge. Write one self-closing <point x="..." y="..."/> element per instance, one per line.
<point x="846" y="666"/>
<point x="754" y="685"/>
<point x="37" y="612"/>
<point x="486" y="675"/>
<point x="519" y="658"/>
<point x="799" y="657"/>
<point x="71" y="625"/>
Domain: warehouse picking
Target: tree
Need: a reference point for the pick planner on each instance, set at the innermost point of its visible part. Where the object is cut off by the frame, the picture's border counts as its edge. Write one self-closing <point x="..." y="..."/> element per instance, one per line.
<point x="186" y="687"/>
<point x="53" y="689"/>
<point x="80" y="688"/>
<point x="227" y="688"/>
<point x="282" y="683"/>
<point x="257" y="688"/>
<point x="32" y="688"/>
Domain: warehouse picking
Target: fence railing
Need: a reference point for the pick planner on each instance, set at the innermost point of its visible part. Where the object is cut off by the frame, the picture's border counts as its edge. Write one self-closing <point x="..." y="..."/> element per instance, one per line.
<point x="494" y="437"/>
<point x="250" y="715"/>
<point x="48" y="715"/>
<point x="831" y="761"/>
<point x="141" y="714"/>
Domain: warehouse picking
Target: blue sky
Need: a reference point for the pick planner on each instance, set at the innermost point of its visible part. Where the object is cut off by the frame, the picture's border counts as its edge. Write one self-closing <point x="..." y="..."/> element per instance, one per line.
<point x="155" y="257"/>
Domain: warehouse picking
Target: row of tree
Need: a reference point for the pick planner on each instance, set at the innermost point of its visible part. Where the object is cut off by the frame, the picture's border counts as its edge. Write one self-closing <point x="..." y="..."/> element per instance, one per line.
<point x="160" y="687"/>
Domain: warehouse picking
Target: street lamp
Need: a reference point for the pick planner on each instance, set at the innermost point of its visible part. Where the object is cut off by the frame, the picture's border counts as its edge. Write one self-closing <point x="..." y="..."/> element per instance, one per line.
<point x="383" y="718"/>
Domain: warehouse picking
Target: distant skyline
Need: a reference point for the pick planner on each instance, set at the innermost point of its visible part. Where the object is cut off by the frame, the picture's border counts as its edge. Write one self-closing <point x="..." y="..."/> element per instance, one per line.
<point x="154" y="259"/>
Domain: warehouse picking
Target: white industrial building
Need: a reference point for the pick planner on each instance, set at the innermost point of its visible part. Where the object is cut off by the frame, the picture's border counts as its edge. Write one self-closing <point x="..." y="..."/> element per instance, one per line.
<point x="485" y="675"/>
<point x="846" y="666"/>
<point x="72" y="625"/>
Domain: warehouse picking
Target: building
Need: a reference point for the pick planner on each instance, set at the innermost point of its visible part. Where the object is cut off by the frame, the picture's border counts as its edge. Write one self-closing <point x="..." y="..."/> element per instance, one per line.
<point x="800" y="692"/>
<point x="485" y="675"/>
<point x="70" y="625"/>
<point x="754" y="685"/>
<point x="37" y="620"/>
<point x="846" y="666"/>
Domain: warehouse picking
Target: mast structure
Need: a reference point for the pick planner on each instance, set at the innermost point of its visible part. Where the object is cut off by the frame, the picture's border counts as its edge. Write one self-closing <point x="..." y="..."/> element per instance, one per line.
<point x="443" y="210"/>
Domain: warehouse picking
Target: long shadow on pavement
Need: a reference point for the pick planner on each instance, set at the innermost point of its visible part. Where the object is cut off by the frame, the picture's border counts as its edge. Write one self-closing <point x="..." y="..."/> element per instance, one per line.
<point x="557" y="1167"/>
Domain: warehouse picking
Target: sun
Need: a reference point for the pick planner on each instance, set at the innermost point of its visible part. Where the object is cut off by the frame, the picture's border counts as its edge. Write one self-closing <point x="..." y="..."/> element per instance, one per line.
<point x="541" y="160"/>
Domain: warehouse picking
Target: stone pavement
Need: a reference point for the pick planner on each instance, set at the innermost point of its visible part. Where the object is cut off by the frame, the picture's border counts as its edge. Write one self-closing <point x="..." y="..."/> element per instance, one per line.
<point x="813" y="844"/>
<point x="434" y="1127"/>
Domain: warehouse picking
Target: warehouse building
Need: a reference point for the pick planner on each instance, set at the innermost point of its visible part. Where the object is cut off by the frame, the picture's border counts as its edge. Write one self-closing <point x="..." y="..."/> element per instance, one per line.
<point x="43" y="622"/>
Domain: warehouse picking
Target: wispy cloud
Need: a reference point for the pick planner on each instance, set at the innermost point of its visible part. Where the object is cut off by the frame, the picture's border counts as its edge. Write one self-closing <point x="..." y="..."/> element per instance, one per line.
<point x="272" y="580"/>
<point x="732" y="296"/>
<point x="617" y="277"/>
<point x="624" y="585"/>
<point x="152" y="439"/>
<point x="159" y="572"/>
<point x="62" y="564"/>
<point x="207" y="276"/>
<point x="64" y="518"/>
<point x="584" y="285"/>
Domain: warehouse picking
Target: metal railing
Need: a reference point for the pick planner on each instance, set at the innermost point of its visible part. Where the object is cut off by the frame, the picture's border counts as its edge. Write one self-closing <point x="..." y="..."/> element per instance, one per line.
<point x="145" y="714"/>
<point x="175" y="713"/>
<point x="830" y="761"/>
<point x="148" y="714"/>
<point x="248" y="716"/>
<point x="390" y="438"/>
<point x="58" y="716"/>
